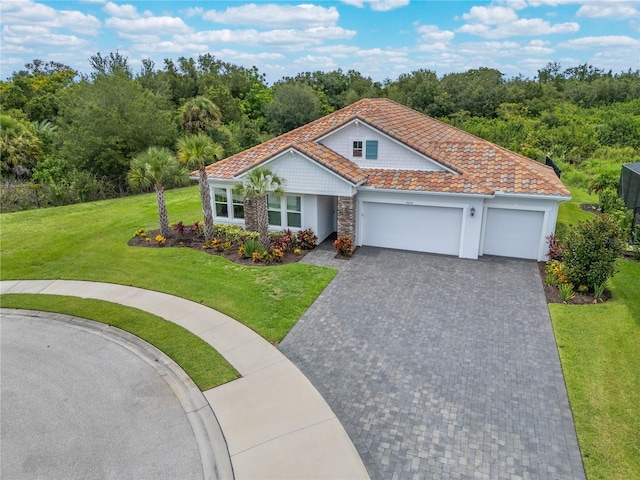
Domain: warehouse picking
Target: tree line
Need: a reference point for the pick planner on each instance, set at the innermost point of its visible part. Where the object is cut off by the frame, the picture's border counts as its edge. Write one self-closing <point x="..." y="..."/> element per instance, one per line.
<point x="68" y="137"/>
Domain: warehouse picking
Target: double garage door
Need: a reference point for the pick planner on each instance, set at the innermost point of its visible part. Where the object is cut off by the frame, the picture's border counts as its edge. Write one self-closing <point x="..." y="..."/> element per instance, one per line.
<point x="412" y="227"/>
<point x="507" y="232"/>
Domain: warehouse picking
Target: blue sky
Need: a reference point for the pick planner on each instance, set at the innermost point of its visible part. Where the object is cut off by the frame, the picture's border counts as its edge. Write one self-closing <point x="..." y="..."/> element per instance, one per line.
<point x="379" y="38"/>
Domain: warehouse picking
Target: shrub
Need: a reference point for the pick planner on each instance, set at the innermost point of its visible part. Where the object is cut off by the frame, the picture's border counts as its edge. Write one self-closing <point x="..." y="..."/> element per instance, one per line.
<point x="598" y="291"/>
<point x="140" y="233"/>
<point x="160" y="240"/>
<point x="307" y="239"/>
<point x="250" y="247"/>
<point x="344" y="246"/>
<point x="555" y="248"/>
<point x="591" y="250"/>
<point x="277" y="254"/>
<point x="232" y="233"/>
<point x="556" y="273"/>
<point x="566" y="291"/>
<point x="284" y="241"/>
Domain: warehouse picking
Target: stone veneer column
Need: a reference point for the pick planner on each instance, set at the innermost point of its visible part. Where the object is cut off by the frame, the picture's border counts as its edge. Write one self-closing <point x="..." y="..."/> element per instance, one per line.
<point x="347" y="218"/>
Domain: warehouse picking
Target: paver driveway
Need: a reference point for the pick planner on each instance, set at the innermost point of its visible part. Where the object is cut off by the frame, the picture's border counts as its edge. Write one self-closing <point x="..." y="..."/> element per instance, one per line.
<point x="440" y="367"/>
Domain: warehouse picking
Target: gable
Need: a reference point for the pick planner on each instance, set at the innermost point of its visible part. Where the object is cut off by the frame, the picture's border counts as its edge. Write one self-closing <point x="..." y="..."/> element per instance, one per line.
<point x="303" y="175"/>
<point x="390" y="154"/>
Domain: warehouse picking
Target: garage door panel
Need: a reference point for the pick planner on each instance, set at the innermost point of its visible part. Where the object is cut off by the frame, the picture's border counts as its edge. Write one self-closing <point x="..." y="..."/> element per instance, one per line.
<point x="412" y="227"/>
<point x="513" y="233"/>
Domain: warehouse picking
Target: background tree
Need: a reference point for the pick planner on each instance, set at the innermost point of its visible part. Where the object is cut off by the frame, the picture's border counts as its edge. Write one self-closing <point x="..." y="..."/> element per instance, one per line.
<point x="294" y="105"/>
<point x="259" y="183"/>
<point x="199" y="114"/>
<point x="198" y="151"/>
<point x="106" y="122"/>
<point x="158" y="168"/>
<point x="20" y="147"/>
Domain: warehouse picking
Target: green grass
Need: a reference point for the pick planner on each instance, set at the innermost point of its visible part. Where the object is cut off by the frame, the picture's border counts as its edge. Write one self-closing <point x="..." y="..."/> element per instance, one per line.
<point x="570" y="213"/>
<point x="206" y="367"/>
<point x="89" y="242"/>
<point x="599" y="348"/>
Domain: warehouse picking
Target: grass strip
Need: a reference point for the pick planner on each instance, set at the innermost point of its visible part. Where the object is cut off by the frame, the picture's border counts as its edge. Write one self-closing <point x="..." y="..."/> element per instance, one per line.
<point x="599" y="349"/>
<point x="206" y="367"/>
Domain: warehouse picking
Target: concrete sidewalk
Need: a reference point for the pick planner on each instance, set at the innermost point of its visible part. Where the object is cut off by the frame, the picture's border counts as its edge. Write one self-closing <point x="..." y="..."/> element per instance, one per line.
<point x="276" y="424"/>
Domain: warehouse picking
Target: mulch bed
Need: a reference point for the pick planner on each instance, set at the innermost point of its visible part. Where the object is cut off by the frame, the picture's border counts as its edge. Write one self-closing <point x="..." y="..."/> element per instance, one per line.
<point x="552" y="293"/>
<point x="192" y="240"/>
<point x="591" y="208"/>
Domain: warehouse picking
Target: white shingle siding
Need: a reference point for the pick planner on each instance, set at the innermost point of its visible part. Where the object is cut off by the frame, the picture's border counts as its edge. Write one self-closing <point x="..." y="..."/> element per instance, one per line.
<point x="391" y="154"/>
<point x="302" y="175"/>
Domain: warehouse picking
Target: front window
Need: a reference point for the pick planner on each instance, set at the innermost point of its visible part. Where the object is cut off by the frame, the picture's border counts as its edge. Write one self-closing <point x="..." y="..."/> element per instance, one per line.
<point x="238" y="206"/>
<point x="274" y="210"/>
<point x="220" y="199"/>
<point x="294" y="212"/>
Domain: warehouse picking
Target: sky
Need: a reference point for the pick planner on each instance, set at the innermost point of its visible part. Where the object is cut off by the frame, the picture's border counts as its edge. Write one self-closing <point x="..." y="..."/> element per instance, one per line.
<point x="379" y="38"/>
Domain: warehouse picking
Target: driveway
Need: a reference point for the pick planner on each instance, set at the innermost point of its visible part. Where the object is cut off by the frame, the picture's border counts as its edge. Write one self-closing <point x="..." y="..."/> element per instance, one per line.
<point x="440" y="367"/>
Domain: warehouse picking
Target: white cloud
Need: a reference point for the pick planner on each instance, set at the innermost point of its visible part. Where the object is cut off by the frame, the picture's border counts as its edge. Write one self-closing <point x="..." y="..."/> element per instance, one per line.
<point x="165" y="25"/>
<point x="312" y="62"/>
<point x="121" y="11"/>
<point x="47" y="39"/>
<point x="490" y="15"/>
<point x="31" y="13"/>
<point x="275" y="15"/>
<point x="525" y="27"/>
<point x="378" y="5"/>
<point x="169" y="47"/>
<point x="289" y="39"/>
<point x="598" y="43"/>
<point x="193" y="12"/>
<point x="619" y="10"/>
<point x="432" y="33"/>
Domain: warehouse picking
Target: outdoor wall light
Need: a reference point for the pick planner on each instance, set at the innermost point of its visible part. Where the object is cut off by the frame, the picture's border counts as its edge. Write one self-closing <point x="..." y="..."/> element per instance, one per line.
<point x="472" y="211"/>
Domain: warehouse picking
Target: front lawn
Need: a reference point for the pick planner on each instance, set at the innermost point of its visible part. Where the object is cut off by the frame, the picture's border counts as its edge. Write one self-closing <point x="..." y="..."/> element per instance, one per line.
<point x="89" y="242"/>
<point x="599" y="348"/>
<point x="570" y="212"/>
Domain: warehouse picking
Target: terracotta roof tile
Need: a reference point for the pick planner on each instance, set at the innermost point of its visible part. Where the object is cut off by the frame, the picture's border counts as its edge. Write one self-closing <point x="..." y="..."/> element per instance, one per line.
<point x="480" y="166"/>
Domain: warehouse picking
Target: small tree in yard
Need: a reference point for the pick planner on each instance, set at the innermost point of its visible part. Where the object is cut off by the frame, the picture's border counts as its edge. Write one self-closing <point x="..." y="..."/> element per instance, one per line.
<point x="158" y="168"/>
<point x="198" y="151"/>
<point x="592" y="248"/>
<point x="259" y="183"/>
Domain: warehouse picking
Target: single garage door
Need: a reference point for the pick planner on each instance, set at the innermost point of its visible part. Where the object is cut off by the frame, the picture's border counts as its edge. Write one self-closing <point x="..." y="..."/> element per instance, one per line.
<point x="412" y="227"/>
<point x="513" y="233"/>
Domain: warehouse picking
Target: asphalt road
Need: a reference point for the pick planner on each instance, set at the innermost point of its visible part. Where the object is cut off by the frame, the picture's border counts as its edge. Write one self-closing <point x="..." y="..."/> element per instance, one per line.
<point x="77" y="404"/>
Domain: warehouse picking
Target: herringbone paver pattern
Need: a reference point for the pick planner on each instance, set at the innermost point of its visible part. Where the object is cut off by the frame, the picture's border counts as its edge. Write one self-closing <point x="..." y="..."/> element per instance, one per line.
<point x="440" y="367"/>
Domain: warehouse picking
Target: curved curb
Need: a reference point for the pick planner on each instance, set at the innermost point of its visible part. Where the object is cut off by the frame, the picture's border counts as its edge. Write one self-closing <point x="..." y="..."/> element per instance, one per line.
<point x="216" y="463"/>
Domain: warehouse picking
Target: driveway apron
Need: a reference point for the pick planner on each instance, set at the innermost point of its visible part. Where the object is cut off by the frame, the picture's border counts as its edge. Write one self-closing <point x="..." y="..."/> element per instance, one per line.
<point x="440" y="367"/>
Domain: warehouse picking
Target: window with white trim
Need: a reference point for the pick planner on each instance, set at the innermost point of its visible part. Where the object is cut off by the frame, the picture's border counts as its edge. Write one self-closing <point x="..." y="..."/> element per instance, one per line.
<point x="221" y="202"/>
<point x="290" y="205"/>
<point x="238" y="205"/>
<point x="357" y="148"/>
<point x="274" y="210"/>
<point x="294" y="212"/>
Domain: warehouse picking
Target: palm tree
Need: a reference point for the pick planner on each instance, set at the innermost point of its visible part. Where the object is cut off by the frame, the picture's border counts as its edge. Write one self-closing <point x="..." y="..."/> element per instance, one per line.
<point x="199" y="114"/>
<point x="259" y="183"/>
<point x="197" y="151"/>
<point x="158" y="168"/>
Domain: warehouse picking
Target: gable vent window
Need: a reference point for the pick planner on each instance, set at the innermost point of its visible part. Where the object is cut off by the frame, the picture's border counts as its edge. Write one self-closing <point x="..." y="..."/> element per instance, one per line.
<point x="372" y="150"/>
<point x="357" y="149"/>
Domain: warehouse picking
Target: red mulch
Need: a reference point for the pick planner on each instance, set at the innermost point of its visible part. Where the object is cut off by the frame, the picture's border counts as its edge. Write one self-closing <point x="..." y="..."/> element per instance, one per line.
<point x="191" y="240"/>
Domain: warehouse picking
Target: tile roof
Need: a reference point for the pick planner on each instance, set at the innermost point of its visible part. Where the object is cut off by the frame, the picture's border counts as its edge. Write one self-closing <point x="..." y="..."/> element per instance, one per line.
<point x="481" y="167"/>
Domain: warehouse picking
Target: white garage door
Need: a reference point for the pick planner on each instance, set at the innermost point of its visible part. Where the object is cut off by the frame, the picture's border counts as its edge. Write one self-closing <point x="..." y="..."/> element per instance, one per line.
<point x="513" y="233"/>
<point x="412" y="227"/>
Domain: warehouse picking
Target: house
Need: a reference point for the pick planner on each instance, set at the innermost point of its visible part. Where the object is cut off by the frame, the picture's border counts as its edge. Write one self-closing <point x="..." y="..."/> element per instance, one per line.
<point x="389" y="176"/>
